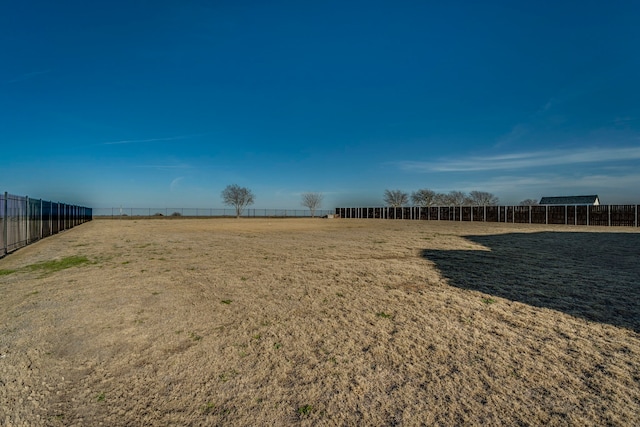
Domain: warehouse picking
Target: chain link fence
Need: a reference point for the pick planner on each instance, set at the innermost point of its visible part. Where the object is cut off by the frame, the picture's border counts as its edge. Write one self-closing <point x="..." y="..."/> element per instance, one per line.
<point x="24" y="220"/>
<point x="124" y="212"/>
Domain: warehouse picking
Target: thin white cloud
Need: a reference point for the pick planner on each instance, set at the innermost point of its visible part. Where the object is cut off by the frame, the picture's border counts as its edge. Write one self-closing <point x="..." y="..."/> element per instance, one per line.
<point x="175" y="183"/>
<point x="552" y="183"/>
<point x="521" y="161"/>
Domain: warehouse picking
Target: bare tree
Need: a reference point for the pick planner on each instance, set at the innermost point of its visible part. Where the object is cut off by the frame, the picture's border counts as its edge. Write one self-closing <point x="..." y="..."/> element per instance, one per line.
<point x="441" y="199"/>
<point x="529" y="202"/>
<point x="482" y="198"/>
<point x="424" y="197"/>
<point x="455" y="198"/>
<point x="238" y="197"/>
<point x="396" y="198"/>
<point x="312" y="201"/>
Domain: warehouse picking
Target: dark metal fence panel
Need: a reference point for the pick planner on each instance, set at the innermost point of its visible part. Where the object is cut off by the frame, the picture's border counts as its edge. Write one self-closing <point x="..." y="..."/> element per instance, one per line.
<point x="55" y="218"/>
<point x="602" y="215"/>
<point x="24" y="220"/>
<point x="46" y="219"/>
<point x="598" y="215"/>
<point x="17" y="224"/>
<point x="34" y="225"/>
<point x="3" y="224"/>
<point x="624" y="215"/>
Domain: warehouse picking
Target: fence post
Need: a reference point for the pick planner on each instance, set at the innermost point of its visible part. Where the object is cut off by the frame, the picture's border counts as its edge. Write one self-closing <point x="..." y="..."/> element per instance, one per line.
<point x="587" y="206"/>
<point x="546" y="214"/>
<point x="609" y="213"/>
<point x="26" y="225"/>
<point x="5" y="223"/>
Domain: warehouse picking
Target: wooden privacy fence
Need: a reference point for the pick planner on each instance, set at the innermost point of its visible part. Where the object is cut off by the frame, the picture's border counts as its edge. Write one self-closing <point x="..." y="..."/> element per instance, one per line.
<point x="24" y="220"/>
<point x="607" y="215"/>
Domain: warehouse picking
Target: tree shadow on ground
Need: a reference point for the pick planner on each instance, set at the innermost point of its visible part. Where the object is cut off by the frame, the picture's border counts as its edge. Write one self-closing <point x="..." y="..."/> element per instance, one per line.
<point x="595" y="276"/>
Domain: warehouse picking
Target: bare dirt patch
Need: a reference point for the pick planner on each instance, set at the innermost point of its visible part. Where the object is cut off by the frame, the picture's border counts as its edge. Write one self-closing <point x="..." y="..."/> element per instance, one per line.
<point x="321" y="322"/>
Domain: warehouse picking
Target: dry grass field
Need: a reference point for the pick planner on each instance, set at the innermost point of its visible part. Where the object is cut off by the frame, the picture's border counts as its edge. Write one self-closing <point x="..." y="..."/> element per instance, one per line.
<point x="204" y="322"/>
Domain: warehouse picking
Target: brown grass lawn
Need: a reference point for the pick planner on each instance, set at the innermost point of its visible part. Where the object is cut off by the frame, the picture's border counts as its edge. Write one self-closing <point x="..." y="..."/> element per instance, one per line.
<point x="321" y="322"/>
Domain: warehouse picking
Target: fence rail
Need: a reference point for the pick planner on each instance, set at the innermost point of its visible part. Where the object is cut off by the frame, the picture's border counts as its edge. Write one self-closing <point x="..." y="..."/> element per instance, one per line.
<point x="204" y="213"/>
<point x="24" y="220"/>
<point x="604" y="215"/>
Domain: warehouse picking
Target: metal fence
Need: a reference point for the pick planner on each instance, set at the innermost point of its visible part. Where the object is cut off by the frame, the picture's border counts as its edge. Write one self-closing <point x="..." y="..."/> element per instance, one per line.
<point x="607" y="215"/>
<point x="24" y="220"/>
<point x="120" y="213"/>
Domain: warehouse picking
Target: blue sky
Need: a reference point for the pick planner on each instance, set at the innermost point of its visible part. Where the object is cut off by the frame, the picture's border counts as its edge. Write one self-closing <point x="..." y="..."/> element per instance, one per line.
<point x="163" y="104"/>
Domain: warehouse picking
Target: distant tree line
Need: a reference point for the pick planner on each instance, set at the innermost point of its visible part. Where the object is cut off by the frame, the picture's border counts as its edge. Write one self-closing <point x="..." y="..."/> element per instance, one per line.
<point x="241" y="197"/>
<point x="425" y="198"/>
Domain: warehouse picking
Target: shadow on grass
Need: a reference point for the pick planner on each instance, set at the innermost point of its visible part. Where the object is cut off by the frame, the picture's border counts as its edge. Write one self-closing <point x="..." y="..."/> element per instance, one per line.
<point x="595" y="276"/>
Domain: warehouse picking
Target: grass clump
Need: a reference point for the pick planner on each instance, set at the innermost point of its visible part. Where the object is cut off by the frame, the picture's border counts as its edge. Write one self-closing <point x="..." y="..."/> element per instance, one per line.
<point x="305" y="410"/>
<point x="6" y="272"/>
<point x="488" y="301"/>
<point x="384" y="315"/>
<point x="58" y="264"/>
<point x="208" y="408"/>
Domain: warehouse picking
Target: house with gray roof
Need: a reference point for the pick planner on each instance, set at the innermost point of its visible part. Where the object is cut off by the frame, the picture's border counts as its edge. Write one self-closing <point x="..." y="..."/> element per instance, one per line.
<point x="571" y="200"/>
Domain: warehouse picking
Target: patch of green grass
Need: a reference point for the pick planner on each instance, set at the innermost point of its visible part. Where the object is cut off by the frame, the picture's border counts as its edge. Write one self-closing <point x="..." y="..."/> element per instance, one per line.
<point x="226" y="376"/>
<point x="339" y="295"/>
<point x="226" y="301"/>
<point x="6" y="272"/>
<point x="58" y="264"/>
<point x="277" y="345"/>
<point x="208" y="408"/>
<point x="384" y="315"/>
<point x="100" y="397"/>
<point x="305" y="410"/>
<point x="488" y="300"/>
<point x="57" y="417"/>
<point x="195" y="336"/>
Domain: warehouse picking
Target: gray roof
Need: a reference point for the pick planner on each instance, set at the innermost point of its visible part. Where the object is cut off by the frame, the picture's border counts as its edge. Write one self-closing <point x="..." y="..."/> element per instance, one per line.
<point x="569" y="200"/>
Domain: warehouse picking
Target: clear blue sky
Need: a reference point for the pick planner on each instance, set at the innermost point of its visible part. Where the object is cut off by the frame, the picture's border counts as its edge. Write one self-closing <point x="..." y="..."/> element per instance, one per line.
<point x="164" y="103"/>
